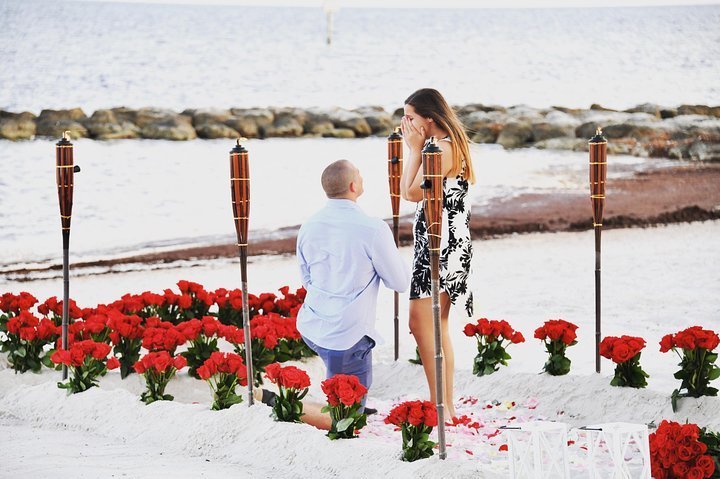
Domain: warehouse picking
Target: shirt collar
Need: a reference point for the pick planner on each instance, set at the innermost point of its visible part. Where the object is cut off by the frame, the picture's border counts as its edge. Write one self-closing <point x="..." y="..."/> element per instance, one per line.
<point x="341" y="203"/>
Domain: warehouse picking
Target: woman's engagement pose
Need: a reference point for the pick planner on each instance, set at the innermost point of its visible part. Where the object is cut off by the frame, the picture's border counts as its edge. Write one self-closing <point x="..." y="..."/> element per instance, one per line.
<point x="427" y="114"/>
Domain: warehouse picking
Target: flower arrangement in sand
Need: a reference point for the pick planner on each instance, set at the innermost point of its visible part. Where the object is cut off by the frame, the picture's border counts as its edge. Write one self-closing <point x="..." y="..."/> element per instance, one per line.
<point x="624" y="351"/>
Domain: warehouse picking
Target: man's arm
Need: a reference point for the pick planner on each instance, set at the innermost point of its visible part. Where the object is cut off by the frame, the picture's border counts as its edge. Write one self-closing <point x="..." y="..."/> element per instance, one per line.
<point x="388" y="263"/>
<point x="304" y="271"/>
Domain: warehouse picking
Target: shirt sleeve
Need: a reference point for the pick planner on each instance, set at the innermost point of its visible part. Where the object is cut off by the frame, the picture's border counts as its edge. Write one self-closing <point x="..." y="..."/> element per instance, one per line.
<point x="387" y="261"/>
<point x="304" y="271"/>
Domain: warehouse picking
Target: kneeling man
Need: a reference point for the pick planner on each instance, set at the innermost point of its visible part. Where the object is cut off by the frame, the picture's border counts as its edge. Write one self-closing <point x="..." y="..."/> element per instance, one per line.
<point x="343" y="254"/>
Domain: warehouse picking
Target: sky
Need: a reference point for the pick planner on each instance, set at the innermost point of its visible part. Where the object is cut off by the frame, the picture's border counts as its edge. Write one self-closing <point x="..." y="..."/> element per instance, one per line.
<point x="438" y="3"/>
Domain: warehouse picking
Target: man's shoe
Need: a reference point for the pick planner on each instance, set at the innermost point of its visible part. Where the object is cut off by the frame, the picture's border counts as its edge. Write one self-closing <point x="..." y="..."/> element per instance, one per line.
<point x="268" y="397"/>
<point x="368" y="411"/>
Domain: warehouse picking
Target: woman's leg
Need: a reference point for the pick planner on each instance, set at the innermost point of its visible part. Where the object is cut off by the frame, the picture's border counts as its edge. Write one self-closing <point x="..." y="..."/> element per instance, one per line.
<point x="448" y="356"/>
<point x="421" y="327"/>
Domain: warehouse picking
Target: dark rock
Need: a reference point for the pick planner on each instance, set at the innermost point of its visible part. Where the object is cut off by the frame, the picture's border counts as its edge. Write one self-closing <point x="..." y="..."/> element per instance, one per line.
<point x="515" y="135"/>
<point x="216" y="130"/>
<point x="17" y="126"/>
<point x="56" y="128"/>
<point x="545" y="131"/>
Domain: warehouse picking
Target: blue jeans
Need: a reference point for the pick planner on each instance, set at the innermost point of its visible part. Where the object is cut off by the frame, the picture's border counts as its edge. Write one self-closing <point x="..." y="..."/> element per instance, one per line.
<point x="356" y="361"/>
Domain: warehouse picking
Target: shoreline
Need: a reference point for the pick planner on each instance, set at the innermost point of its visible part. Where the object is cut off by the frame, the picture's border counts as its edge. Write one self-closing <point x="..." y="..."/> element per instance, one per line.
<point x="657" y="197"/>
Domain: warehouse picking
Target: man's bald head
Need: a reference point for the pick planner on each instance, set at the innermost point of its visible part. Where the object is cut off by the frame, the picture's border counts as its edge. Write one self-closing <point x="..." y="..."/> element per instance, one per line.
<point x="337" y="177"/>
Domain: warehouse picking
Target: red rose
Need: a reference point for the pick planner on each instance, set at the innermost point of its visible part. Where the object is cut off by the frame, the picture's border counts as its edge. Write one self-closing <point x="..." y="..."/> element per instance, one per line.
<point x="292" y="377"/>
<point x="61" y="356"/>
<point x="469" y="329"/>
<point x="113" y="363"/>
<point x="162" y="361"/>
<point x="415" y="415"/>
<point x="398" y="415"/>
<point x="210" y="326"/>
<point x="621" y="353"/>
<point x="517" y="337"/>
<point x="183" y="285"/>
<point x="685" y="453"/>
<point x="204" y="372"/>
<point x="179" y="362"/>
<point x="706" y="464"/>
<point x="568" y="336"/>
<point x="606" y="346"/>
<point x="430" y="412"/>
<point x="77" y="356"/>
<point x="695" y="473"/>
<point x="680" y="469"/>
<point x="540" y="333"/>
<point x="139" y="367"/>
<point x="184" y="301"/>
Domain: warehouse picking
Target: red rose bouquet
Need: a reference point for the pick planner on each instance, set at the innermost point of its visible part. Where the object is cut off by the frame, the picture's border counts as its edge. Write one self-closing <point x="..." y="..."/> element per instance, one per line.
<point x="624" y="351"/>
<point x="223" y="372"/>
<point x="291" y="303"/>
<point x="158" y="368"/>
<point x="52" y="309"/>
<point x="25" y="339"/>
<point x="344" y="399"/>
<point x="229" y="305"/>
<point x="202" y="336"/>
<point x="126" y="333"/>
<point x="87" y="361"/>
<point x="263" y="304"/>
<point x="491" y="336"/>
<point x="200" y="300"/>
<point x="265" y="334"/>
<point x="161" y="336"/>
<point x="712" y="441"/>
<point x="678" y="452"/>
<point x="558" y="335"/>
<point x="697" y="361"/>
<point x="293" y="384"/>
<point x="172" y="308"/>
<point x="11" y="305"/>
<point x="416" y="419"/>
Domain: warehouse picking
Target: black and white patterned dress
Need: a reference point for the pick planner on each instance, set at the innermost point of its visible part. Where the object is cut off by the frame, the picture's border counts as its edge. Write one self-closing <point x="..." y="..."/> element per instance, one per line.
<point x="456" y="247"/>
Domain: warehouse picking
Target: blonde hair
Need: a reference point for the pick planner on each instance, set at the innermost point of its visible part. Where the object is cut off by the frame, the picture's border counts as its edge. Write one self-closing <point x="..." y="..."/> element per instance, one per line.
<point x="429" y="103"/>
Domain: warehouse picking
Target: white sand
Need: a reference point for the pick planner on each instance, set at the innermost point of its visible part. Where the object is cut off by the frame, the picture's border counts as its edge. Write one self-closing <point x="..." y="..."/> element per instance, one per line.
<point x="656" y="281"/>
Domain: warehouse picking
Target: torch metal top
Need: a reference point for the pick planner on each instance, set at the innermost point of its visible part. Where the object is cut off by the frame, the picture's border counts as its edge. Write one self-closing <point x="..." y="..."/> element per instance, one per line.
<point x="238" y="148"/>
<point x="65" y="140"/>
<point x="395" y="135"/>
<point x="432" y="146"/>
<point x="599" y="137"/>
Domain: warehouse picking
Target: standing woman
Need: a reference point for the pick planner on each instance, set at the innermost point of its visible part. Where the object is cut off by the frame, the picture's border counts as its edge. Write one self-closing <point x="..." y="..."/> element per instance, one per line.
<point x="427" y="114"/>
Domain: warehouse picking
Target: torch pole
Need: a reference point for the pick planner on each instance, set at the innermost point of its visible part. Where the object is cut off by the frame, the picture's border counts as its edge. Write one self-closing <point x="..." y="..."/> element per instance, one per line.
<point x="65" y="170"/>
<point x="240" y="195"/>
<point x="395" y="158"/>
<point x="433" y="194"/>
<point x="66" y="297"/>
<point x="246" y="323"/>
<point x="598" y="333"/>
<point x="598" y="177"/>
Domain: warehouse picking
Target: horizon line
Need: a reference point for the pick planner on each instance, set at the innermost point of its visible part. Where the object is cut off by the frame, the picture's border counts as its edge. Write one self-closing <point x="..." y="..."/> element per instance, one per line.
<point x="428" y="4"/>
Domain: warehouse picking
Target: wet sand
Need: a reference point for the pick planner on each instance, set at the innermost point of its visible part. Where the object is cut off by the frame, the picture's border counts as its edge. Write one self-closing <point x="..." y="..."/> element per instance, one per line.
<point x="663" y="196"/>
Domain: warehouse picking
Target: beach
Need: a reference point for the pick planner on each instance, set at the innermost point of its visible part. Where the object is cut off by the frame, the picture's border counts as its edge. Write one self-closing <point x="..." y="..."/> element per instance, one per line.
<point x="154" y="97"/>
<point x="654" y="283"/>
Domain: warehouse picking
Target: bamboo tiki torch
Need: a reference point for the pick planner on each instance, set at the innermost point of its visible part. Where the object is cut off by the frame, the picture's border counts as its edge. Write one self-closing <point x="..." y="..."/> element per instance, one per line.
<point x="65" y="171"/>
<point x="240" y="193"/>
<point x="433" y="193"/>
<point x="598" y="175"/>
<point x="395" y="164"/>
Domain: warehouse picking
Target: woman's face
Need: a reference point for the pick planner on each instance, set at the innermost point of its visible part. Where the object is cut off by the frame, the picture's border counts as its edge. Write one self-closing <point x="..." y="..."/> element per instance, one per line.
<point x="417" y="120"/>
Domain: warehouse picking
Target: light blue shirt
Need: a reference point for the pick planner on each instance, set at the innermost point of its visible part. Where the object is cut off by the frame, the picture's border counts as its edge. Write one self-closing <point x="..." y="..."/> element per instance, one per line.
<point x="343" y="255"/>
